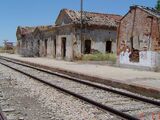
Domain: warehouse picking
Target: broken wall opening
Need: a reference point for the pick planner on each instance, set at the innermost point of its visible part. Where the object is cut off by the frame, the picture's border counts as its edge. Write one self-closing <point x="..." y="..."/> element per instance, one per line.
<point x="134" y="55"/>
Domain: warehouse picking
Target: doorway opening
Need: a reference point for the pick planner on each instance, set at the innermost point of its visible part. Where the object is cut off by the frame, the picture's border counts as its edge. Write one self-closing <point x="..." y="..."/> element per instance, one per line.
<point x="87" y="49"/>
<point x="55" y="47"/>
<point x="45" y="44"/>
<point x="38" y="48"/>
<point x="108" y="46"/>
<point x="63" y="47"/>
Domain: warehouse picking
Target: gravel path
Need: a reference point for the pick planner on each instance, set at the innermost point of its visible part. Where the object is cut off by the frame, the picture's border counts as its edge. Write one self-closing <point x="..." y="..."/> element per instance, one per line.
<point x="22" y="98"/>
<point x="104" y="71"/>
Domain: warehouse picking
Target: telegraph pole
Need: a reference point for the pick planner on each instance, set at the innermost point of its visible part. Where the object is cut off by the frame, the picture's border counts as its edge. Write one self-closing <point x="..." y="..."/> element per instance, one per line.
<point x="81" y="34"/>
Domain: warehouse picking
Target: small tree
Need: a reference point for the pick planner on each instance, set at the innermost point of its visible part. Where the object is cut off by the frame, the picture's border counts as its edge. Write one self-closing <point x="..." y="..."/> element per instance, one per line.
<point x="158" y="5"/>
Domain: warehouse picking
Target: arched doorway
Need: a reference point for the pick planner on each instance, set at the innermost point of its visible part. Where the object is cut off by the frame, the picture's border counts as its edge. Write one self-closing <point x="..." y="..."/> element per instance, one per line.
<point x="87" y="47"/>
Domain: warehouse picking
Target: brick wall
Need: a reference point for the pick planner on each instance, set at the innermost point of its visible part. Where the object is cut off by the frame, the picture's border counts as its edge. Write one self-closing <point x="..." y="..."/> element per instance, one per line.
<point x="143" y="27"/>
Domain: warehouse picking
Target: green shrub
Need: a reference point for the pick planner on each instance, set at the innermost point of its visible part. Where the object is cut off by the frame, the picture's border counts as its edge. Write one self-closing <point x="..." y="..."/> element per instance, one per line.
<point x="100" y="57"/>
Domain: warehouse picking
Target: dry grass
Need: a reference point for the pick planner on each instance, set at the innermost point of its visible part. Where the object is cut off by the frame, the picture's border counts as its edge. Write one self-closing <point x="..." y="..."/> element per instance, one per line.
<point x="2" y="50"/>
<point x="100" y="57"/>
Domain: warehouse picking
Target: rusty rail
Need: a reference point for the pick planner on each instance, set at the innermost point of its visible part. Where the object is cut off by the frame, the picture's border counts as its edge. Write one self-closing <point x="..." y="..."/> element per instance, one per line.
<point x="2" y="117"/>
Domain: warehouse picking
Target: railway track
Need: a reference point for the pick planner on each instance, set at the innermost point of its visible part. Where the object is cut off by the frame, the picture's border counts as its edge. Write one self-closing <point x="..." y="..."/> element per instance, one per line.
<point x="123" y="104"/>
<point x="2" y="117"/>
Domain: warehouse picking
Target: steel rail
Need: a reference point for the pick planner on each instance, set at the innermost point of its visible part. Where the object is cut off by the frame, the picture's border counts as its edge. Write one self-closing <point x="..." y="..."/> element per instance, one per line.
<point x="99" y="105"/>
<point x="2" y="117"/>
<point x="140" y="98"/>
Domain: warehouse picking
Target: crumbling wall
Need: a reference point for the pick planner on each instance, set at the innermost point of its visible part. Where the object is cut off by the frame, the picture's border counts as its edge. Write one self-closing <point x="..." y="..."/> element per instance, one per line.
<point x="66" y="32"/>
<point x="42" y="48"/>
<point x="50" y="36"/>
<point x="158" y="61"/>
<point x="146" y="59"/>
<point x="69" y="47"/>
<point x="141" y="27"/>
<point x="98" y="38"/>
<point x="138" y="38"/>
<point x="26" y="46"/>
<point x="50" y="48"/>
<point x="36" y="47"/>
<point x="156" y="35"/>
<point x="63" y="19"/>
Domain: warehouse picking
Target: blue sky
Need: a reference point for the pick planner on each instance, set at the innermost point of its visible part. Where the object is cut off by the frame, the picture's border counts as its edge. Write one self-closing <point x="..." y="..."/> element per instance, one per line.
<point x="15" y="13"/>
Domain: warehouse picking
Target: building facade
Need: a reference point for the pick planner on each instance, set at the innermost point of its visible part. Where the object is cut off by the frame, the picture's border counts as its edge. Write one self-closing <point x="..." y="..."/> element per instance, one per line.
<point x="139" y="37"/>
<point x="67" y="39"/>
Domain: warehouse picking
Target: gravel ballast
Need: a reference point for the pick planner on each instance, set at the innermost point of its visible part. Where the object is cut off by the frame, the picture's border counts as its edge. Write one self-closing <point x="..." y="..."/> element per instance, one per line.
<point x="119" y="102"/>
<point x="23" y="98"/>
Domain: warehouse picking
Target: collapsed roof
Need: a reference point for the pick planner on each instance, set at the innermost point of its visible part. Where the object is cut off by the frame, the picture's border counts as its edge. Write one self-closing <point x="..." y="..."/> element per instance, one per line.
<point x="91" y="18"/>
<point x="25" y="30"/>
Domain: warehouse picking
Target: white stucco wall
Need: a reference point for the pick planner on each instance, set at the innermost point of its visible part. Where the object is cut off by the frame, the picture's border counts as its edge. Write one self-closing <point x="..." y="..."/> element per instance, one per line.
<point x="146" y="58"/>
<point x="100" y="46"/>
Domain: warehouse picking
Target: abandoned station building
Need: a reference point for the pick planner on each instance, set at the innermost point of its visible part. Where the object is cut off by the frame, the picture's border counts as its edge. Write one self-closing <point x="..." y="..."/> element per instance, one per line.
<point x="63" y="40"/>
<point x="139" y="37"/>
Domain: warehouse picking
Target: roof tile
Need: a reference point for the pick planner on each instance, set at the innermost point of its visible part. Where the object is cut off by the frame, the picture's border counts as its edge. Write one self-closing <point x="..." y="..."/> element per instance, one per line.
<point x="92" y="18"/>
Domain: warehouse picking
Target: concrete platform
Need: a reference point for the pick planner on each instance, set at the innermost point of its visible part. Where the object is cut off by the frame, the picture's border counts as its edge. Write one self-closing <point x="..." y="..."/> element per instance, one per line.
<point x="143" y="82"/>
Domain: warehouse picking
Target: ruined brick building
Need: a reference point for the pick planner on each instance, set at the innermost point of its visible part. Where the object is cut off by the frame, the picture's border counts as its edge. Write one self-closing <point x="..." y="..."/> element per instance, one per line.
<point x="139" y="36"/>
<point x="140" y="27"/>
<point x="63" y="41"/>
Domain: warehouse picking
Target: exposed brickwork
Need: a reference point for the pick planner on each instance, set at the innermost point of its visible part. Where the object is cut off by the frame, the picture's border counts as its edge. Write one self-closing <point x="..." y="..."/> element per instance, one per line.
<point x="142" y="24"/>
